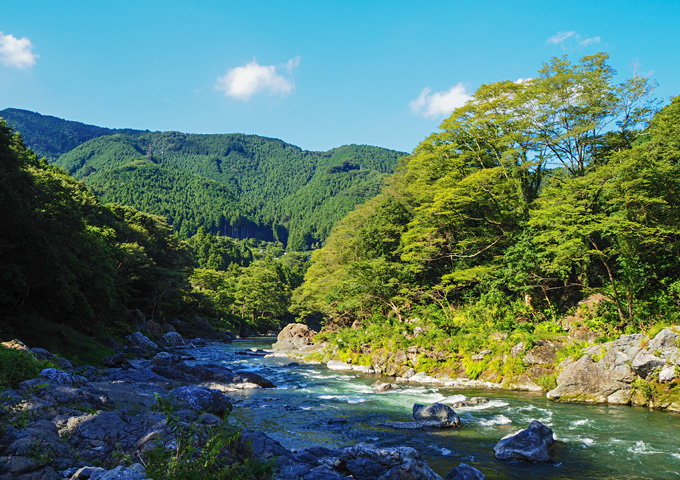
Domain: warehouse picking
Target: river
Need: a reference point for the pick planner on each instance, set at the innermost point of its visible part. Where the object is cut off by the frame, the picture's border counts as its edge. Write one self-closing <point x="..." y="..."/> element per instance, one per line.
<point x="316" y="406"/>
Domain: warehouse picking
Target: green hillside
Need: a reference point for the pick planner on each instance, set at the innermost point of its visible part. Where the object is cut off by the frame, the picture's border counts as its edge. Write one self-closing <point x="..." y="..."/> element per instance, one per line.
<point x="232" y="184"/>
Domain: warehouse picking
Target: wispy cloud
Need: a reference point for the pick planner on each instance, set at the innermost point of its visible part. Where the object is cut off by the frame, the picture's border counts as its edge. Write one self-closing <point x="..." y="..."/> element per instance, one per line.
<point x="571" y="39"/>
<point x="245" y="81"/>
<point x="589" y="41"/>
<point x="16" y="52"/>
<point x="439" y="104"/>
<point x="560" y="37"/>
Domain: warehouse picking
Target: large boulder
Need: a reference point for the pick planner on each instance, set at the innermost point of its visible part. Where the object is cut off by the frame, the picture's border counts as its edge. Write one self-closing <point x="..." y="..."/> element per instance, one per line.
<point x="435" y="415"/>
<point x="607" y="380"/>
<point x="592" y="382"/>
<point x="201" y="399"/>
<point x="294" y="336"/>
<point x="528" y="445"/>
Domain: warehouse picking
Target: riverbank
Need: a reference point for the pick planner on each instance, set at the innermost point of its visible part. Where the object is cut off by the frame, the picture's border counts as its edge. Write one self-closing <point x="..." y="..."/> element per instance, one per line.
<point x="635" y="369"/>
<point x="159" y="416"/>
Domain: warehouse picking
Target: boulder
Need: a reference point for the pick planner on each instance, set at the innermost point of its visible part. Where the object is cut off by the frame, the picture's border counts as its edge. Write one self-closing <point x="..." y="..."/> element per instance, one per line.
<point x="201" y="399"/>
<point x="173" y="340"/>
<point x="644" y="364"/>
<point x="528" y="445"/>
<point x="435" y="415"/>
<point x="606" y="381"/>
<point x="62" y="363"/>
<point x="544" y="352"/>
<point x="465" y="472"/>
<point x="592" y="382"/>
<point x="63" y="378"/>
<point x="294" y="336"/>
<point x="382" y="387"/>
<point x="366" y="462"/>
<point x="337" y="365"/>
<point x="665" y="345"/>
<point x="480" y="356"/>
<point x="137" y="339"/>
<point x="667" y="374"/>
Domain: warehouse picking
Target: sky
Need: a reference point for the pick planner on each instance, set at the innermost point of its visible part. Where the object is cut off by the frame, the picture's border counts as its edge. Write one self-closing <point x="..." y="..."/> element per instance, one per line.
<point x="316" y="74"/>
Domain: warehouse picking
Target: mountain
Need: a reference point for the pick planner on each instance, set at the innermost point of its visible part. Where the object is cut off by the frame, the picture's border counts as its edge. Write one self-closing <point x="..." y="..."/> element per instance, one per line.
<point x="232" y="184"/>
<point x="51" y="137"/>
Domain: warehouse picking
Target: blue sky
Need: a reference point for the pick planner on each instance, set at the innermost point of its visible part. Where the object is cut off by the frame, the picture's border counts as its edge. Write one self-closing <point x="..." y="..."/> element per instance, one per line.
<point x="316" y="74"/>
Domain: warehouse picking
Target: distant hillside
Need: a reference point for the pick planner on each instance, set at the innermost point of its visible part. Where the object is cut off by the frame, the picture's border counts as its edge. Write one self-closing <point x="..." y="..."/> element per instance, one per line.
<point x="51" y="137"/>
<point x="233" y="184"/>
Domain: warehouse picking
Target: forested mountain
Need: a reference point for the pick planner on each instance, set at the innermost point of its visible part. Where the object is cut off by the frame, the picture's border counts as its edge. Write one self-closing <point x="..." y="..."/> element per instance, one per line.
<point x="51" y="137"/>
<point x="232" y="184"/>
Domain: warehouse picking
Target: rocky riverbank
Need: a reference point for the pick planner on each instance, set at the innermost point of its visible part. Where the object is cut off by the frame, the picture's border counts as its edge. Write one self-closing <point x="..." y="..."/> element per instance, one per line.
<point x="631" y="370"/>
<point x="105" y="423"/>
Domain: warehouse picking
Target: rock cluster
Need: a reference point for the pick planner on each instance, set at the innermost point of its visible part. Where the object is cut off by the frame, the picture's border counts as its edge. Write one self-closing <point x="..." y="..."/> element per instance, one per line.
<point x="606" y="373"/>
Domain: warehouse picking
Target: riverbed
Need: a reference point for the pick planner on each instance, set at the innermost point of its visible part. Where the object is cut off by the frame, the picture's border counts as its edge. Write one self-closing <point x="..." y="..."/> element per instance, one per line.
<point x="313" y="405"/>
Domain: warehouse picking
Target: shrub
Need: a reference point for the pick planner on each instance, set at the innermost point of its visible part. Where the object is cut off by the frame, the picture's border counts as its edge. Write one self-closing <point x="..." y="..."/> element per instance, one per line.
<point x="204" y="453"/>
<point x="17" y="366"/>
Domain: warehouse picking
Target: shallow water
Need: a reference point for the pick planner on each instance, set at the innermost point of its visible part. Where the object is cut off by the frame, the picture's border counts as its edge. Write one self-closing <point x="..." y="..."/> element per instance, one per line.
<point x="316" y="406"/>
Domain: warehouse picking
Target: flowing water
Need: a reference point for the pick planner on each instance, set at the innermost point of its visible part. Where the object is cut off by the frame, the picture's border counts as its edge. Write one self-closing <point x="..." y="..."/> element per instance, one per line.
<point x="316" y="406"/>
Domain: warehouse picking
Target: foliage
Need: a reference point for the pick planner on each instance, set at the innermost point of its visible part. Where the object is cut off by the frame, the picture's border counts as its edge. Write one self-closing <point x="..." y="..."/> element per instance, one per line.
<point x="17" y="366"/>
<point x="69" y="260"/>
<point x="532" y="196"/>
<point x="204" y="452"/>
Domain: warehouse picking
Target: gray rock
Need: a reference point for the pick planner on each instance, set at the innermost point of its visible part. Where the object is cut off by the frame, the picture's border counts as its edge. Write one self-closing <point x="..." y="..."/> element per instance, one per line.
<point x="337" y="365"/>
<point x="63" y="378"/>
<point x="88" y="473"/>
<point x="665" y="345"/>
<point x="645" y="363"/>
<point x="365" y="462"/>
<point x="528" y="445"/>
<point x="591" y="382"/>
<point x="544" y="352"/>
<point x="121" y="473"/>
<point x="62" y="363"/>
<point x="518" y="349"/>
<point x="435" y="415"/>
<point x="294" y="336"/>
<point x="137" y="339"/>
<point x="480" y="356"/>
<point x="465" y="472"/>
<point x="173" y="340"/>
<point x="201" y="399"/>
<point x="667" y="374"/>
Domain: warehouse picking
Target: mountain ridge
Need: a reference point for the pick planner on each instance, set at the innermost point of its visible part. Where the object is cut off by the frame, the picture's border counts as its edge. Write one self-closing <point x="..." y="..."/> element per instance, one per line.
<point x="236" y="184"/>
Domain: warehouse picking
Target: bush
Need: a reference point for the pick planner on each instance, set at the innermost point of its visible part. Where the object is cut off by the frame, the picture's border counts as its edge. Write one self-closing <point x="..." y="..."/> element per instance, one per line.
<point x="204" y="453"/>
<point x="17" y="366"/>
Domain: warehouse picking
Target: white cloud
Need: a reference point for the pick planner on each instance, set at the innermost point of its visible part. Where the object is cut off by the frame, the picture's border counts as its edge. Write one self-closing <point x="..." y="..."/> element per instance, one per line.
<point x="571" y="40"/>
<point x="442" y="103"/>
<point x="560" y="37"/>
<point x="16" y="52"/>
<point x="589" y="41"/>
<point x="245" y="81"/>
